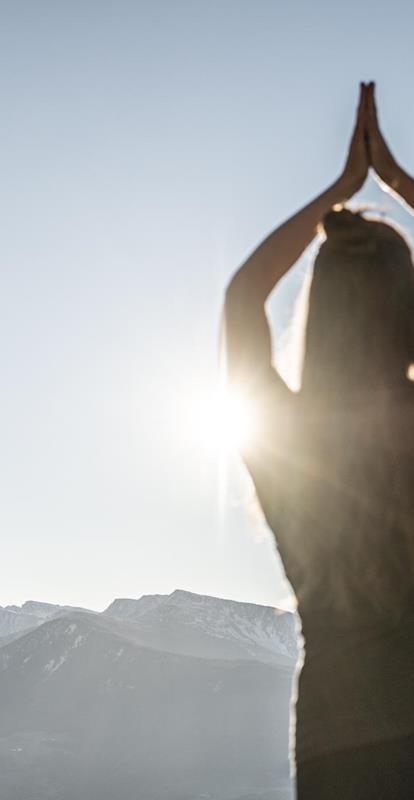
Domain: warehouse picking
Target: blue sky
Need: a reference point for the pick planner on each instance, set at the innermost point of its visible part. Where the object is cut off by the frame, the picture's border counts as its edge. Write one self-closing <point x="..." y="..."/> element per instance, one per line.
<point x="146" y="149"/>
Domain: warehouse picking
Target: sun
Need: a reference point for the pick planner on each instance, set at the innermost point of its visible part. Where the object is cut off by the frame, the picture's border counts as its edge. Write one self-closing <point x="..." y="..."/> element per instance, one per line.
<point x="218" y="419"/>
<point x="234" y="420"/>
<point x="224" y="421"/>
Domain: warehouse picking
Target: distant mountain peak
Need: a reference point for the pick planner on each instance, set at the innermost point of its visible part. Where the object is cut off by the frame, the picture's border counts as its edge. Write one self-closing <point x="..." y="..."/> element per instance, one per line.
<point x="197" y="624"/>
<point x="32" y="613"/>
<point x="128" y="607"/>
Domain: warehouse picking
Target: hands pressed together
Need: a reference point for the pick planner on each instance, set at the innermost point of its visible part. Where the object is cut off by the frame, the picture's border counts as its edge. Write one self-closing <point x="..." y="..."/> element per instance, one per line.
<point x="368" y="148"/>
<point x="274" y="256"/>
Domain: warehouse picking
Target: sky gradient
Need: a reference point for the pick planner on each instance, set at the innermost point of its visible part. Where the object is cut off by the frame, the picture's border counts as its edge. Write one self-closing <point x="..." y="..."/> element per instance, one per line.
<point x="147" y="147"/>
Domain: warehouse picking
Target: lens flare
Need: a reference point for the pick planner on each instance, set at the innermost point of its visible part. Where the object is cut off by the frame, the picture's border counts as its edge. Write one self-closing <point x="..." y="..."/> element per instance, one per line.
<point x="221" y="421"/>
<point x="234" y="420"/>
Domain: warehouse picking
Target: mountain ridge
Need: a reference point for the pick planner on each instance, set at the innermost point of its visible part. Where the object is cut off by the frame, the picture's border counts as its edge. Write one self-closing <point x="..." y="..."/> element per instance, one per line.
<point x="89" y="710"/>
<point x="181" y="622"/>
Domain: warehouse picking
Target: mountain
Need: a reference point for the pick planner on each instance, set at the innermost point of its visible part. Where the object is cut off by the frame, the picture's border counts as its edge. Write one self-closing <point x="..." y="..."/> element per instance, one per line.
<point x="192" y="624"/>
<point x="91" y="711"/>
<point x="15" y="619"/>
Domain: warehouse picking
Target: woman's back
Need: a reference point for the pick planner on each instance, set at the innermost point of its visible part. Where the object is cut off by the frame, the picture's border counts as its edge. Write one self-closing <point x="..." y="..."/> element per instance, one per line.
<point x="336" y="485"/>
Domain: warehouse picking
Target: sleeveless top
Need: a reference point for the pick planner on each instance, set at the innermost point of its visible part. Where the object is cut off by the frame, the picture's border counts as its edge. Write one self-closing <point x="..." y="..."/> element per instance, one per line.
<point x="336" y="487"/>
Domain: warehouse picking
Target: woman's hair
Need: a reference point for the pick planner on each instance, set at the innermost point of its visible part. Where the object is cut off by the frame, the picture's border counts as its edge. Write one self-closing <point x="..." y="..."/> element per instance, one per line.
<point x="360" y="325"/>
<point x="360" y="336"/>
<point x="357" y="549"/>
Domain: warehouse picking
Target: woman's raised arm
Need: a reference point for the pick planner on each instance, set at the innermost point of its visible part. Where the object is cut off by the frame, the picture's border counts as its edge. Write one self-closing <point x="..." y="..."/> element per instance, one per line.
<point x="276" y="254"/>
<point x="382" y="160"/>
<point x="247" y="339"/>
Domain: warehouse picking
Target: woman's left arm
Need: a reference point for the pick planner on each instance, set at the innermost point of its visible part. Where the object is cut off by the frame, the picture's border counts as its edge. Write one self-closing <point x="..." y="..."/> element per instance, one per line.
<point x="246" y="329"/>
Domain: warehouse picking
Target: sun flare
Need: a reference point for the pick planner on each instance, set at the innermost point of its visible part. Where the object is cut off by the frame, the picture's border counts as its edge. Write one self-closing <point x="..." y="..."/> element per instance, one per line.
<point x="234" y="420"/>
<point x="224" y="421"/>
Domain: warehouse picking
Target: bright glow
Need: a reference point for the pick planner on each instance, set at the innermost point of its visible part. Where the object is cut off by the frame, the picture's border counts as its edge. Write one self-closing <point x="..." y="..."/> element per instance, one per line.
<point x="233" y="420"/>
<point x="221" y="421"/>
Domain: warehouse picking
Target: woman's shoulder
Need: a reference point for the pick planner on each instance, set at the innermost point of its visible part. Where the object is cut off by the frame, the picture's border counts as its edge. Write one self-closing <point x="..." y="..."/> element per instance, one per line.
<point x="288" y="425"/>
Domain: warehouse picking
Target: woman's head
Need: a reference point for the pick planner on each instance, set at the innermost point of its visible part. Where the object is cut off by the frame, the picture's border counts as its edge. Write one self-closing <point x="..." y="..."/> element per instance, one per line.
<point x="360" y="327"/>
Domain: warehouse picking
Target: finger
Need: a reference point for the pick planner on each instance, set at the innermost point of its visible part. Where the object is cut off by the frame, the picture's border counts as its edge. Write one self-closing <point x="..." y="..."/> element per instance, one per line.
<point x="360" y="120"/>
<point x="372" y="109"/>
<point x="361" y="103"/>
<point x="358" y="124"/>
<point x="373" y="102"/>
<point x="363" y="106"/>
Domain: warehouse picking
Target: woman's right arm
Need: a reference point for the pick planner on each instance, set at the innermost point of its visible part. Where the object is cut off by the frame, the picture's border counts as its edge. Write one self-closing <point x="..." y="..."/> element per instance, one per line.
<point x="382" y="160"/>
<point x="404" y="187"/>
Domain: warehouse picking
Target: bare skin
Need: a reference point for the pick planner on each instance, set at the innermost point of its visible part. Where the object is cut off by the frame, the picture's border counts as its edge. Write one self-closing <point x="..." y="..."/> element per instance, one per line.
<point x="388" y="172"/>
<point x="247" y="332"/>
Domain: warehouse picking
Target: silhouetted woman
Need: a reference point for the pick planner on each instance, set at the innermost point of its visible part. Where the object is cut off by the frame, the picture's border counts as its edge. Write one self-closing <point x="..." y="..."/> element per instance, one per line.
<point x="333" y="467"/>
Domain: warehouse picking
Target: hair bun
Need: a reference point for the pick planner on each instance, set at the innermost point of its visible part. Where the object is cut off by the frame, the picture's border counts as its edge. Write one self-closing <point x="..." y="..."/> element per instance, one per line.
<point x="341" y="222"/>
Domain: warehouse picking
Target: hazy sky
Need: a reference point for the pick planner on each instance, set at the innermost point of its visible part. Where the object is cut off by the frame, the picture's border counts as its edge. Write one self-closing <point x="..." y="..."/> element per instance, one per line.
<point x="146" y="147"/>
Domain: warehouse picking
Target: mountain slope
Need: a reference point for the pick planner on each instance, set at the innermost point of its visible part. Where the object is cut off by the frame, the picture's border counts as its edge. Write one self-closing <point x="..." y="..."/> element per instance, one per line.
<point x="88" y="711"/>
